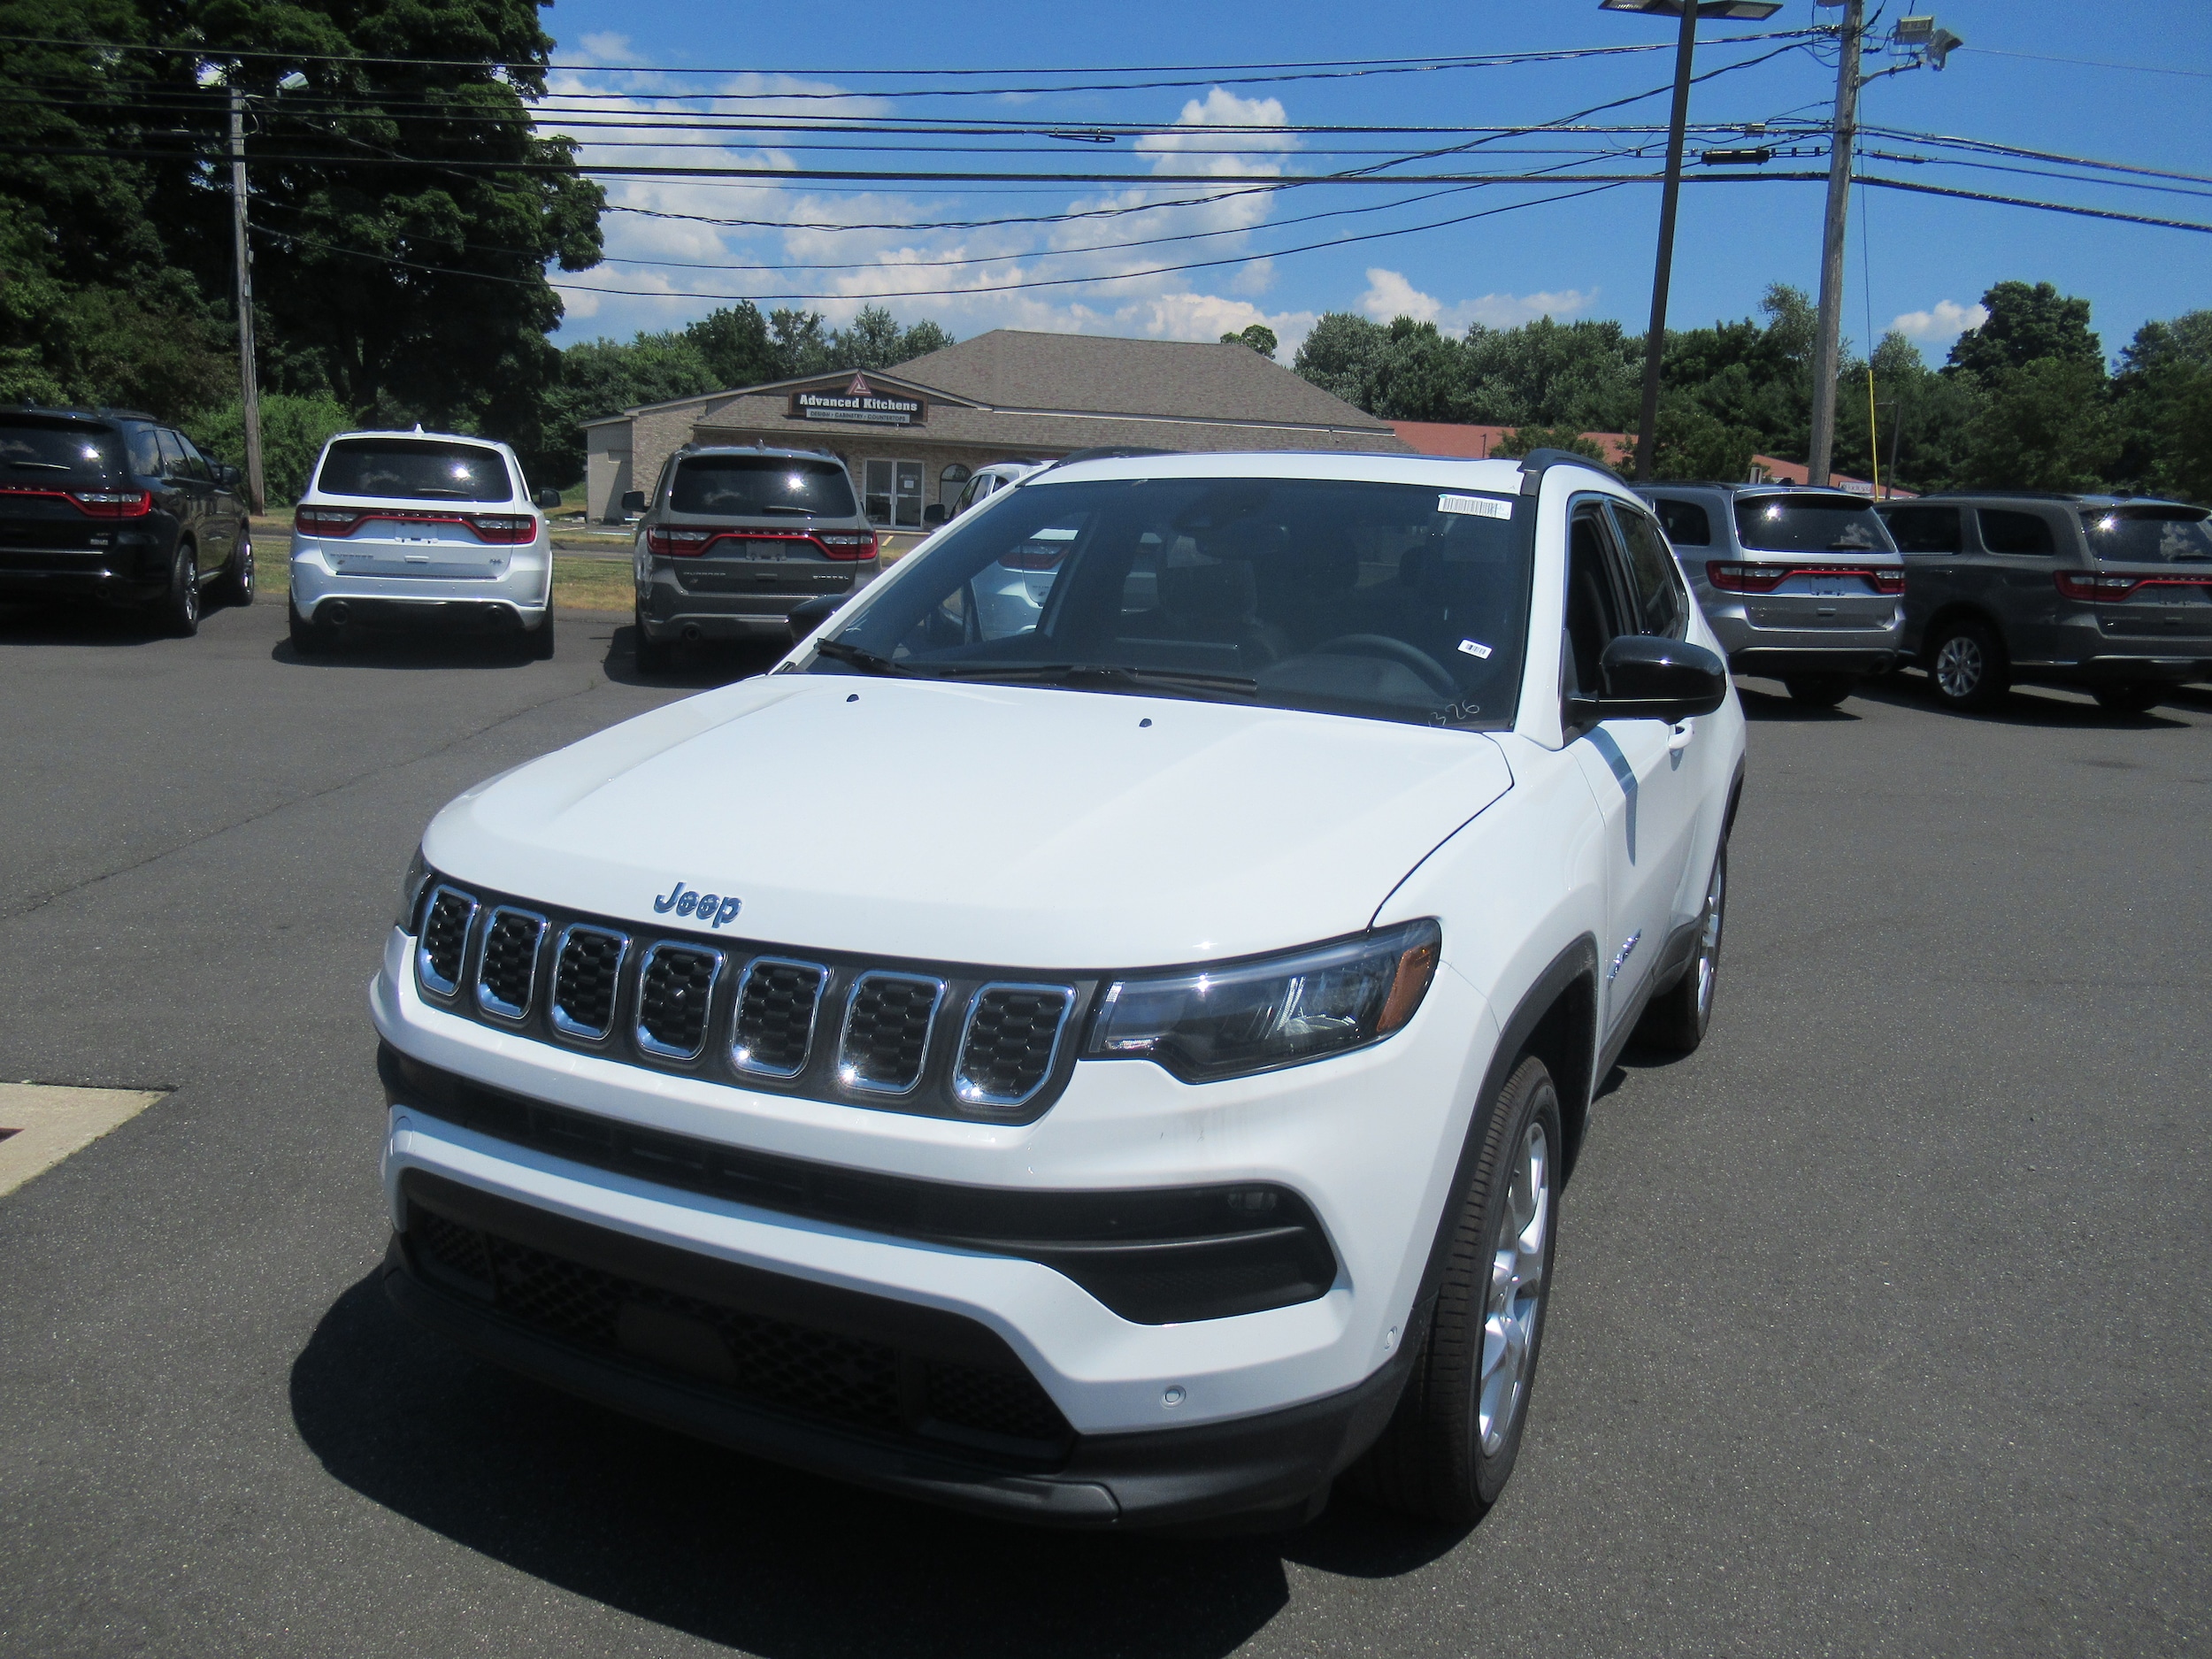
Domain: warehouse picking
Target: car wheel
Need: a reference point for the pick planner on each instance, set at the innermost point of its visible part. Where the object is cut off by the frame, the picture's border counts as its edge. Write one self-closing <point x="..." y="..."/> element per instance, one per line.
<point x="237" y="582"/>
<point x="541" y="644"/>
<point x="1820" y="691"/>
<point x="1676" y="1020"/>
<point x="653" y="656"/>
<point x="1451" y="1444"/>
<point x="179" y="608"/>
<point x="2134" y="697"/>
<point x="309" y="639"/>
<point x="1967" y="665"/>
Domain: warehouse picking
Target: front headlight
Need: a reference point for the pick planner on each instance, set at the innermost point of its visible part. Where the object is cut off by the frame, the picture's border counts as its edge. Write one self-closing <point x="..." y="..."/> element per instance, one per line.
<point x="1271" y="1011"/>
<point x="411" y="886"/>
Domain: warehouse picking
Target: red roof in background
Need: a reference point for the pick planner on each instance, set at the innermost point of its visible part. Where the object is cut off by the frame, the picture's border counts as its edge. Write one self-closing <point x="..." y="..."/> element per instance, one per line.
<point x="1475" y="443"/>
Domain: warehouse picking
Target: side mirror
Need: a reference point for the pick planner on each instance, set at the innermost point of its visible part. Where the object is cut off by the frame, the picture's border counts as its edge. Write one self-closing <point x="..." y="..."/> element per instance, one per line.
<point x="934" y="515"/>
<point x="548" y="498"/>
<point x="810" y="614"/>
<point x="633" y="501"/>
<point x="1647" y="678"/>
<point x="225" y="474"/>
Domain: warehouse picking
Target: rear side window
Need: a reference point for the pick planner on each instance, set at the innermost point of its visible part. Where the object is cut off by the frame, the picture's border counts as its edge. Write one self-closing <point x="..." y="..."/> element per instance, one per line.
<point x="145" y="452"/>
<point x="760" y="486"/>
<point x="1651" y="568"/>
<point x="1687" y="523"/>
<point x="414" y="469"/>
<point x="1924" y="529"/>
<point x="2149" y="536"/>
<point x="2005" y="532"/>
<point x="33" y="450"/>
<point x="1809" y="523"/>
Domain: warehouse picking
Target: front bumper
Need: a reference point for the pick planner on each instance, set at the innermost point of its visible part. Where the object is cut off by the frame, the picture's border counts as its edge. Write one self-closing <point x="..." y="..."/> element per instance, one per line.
<point x="521" y="592"/>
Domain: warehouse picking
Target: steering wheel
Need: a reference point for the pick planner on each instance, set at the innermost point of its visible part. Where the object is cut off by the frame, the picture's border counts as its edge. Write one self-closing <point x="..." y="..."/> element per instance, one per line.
<point x="1432" y="673"/>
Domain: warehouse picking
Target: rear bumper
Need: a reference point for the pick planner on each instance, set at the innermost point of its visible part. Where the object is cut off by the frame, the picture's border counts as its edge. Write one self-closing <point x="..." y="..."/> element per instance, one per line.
<point x="134" y="572"/>
<point x="521" y="592"/>
<point x="670" y="610"/>
<point x="1276" y="1466"/>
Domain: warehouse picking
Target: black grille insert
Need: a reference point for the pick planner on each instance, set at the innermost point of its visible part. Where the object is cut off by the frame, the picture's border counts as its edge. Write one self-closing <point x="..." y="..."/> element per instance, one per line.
<point x="445" y="938"/>
<point x="1007" y="1051"/>
<point x="675" y="988"/>
<point x="586" y="977"/>
<point x="776" y="1003"/>
<point x="507" y="976"/>
<point x="886" y="1032"/>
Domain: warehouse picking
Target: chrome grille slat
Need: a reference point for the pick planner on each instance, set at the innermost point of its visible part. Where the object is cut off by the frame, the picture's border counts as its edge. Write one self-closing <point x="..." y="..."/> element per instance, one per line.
<point x="1009" y="1043"/>
<point x="778" y="1001"/>
<point x="441" y="953"/>
<point x="507" y="973"/>
<point x="587" y="980"/>
<point x="885" y="1043"/>
<point x="675" y="999"/>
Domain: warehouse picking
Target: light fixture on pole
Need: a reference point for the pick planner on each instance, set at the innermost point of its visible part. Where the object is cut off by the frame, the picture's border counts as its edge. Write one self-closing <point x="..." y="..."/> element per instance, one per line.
<point x="1663" y="269"/>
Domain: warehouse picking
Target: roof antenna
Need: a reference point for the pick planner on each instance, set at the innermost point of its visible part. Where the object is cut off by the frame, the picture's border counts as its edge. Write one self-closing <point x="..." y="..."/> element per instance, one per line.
<point x="418" y="428"/>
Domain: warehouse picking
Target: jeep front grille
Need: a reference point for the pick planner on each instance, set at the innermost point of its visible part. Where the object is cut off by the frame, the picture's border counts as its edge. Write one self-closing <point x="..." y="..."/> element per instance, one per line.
<point x="675" y="990"/>
<point x="1012" y="1038"/>
<point x="507" y="976"/>
<point x="886" y="1032"/>
<point x="445" y="940"/>
<point x="774" y="1033"/>
<point x="586" y="978"/>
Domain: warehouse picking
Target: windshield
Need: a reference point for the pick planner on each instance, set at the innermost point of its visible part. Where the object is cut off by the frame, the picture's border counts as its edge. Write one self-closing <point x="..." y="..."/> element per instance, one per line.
<point x="414" y="469"/>
<point x="758" y="485"/>
<point x="2149" y="536"/>
<point x="33" y="452"/>
<point x="1395" y="602"/>
<point x="1809" y="523"/>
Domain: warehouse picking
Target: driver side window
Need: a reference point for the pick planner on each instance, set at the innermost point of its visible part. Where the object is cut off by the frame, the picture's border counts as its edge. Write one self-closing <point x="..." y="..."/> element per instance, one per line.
<point x="1596" y="611"/>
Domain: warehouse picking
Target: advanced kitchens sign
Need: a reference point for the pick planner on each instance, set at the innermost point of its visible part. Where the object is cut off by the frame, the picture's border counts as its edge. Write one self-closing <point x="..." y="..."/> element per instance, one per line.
<point x="861" y="403"/>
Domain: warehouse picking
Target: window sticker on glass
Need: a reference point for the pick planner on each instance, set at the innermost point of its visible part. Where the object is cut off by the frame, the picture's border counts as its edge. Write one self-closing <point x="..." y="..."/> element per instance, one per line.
<point x="1475" y="649"/>
<point x="1475" y="506"/>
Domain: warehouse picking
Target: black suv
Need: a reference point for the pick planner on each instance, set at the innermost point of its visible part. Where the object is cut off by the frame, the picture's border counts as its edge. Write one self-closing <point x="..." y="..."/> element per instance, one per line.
<point x="111" y="505"/>
<point x="2108" y="594"/>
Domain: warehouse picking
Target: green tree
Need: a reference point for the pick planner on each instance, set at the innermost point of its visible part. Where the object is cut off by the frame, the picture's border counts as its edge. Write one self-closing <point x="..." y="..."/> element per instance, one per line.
<point x="2047" y="425"/>
<point x="1259" y="336"/>
<point x="1521" y="439"/>
<point x="1339" y="355"/>
<point x="294" y="429"/>
<point x="601" y="377"/>
<point x="2026" y="325"/>
<point x="2165" y="379"/>
<point x="802" y="342"/>
<point x="875" y="340"/>
<point x="1689" y="440"/>
<point x="734" y="345"/>
<point x="1582" y="376"/>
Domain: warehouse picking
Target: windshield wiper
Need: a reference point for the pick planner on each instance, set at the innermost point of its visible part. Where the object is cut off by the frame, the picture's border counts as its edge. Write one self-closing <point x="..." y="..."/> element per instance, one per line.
<point x="861" y="657"/>
<point x="1105" y="676"/>
<point x="785" y="506"/>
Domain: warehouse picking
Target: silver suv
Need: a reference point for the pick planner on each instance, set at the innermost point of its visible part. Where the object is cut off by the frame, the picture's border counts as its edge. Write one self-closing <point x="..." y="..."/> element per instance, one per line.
<point x="734" y="539"/>
<point x="1803" y="585"/>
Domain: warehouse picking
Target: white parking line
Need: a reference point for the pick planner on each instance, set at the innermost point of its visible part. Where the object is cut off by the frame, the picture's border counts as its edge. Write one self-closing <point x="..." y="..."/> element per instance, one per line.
<point x="41" y="1125"/>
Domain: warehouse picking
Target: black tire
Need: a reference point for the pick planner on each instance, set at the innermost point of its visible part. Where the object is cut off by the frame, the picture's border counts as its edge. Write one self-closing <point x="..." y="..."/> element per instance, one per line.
<point x="179" y="608"/>
<point x="1678" y="1018"/>
<point x="539" y="646"/>
<point x="654" y="657"/>
<point x="2134" y="697"/>
<point x="1820" y="691"/>
<point x="1966" y="664"/>
<point x="234" y="586"/>
<point x="309" y="639"/>
<point x="1450" y="1446"/>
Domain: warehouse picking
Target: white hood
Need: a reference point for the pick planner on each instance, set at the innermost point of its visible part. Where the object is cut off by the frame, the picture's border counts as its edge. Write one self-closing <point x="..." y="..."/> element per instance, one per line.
<point x="996" y="825"/>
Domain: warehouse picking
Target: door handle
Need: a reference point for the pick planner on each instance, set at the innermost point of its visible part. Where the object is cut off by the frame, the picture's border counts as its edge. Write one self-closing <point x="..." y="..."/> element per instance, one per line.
<point x="1678" y="739"/>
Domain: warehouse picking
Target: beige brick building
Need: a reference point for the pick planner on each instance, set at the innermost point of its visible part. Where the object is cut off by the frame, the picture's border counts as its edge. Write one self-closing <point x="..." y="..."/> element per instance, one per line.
<point x="912" y="436"/>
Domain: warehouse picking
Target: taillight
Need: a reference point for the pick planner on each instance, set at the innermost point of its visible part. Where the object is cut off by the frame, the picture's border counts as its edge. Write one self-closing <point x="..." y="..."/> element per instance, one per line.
<point x="1889" y="583"/>
<point x="676" y="543"/>
<point x="504" y="529"/>
<point x="324" y="520"/>
<point x="1033" y="558"/>
<point x="2095" y="586"/>
<point x="845" y="544"/>
<point x="113" y="504"/>
<point x="1746" y="579"/>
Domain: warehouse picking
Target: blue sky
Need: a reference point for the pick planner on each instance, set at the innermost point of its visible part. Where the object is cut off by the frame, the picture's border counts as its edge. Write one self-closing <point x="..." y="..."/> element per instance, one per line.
<point x="1916" y="262"/>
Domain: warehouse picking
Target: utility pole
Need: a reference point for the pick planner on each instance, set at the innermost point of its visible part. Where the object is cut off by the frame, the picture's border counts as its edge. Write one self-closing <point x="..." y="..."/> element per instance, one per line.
<point x="248" y="386"/>
<point x="1826" y="344"/>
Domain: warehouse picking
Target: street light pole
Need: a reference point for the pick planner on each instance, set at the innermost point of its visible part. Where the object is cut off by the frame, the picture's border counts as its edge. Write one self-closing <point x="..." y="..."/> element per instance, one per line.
<point x="249" y="386"/>
<point x="1827" y="348"/>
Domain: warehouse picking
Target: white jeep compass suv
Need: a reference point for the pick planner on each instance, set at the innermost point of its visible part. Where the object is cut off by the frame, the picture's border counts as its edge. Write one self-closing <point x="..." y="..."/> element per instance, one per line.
<point x="1107" y="1063"/>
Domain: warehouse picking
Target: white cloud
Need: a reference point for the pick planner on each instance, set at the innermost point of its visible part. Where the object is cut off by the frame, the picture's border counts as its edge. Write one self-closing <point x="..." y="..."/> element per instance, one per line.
<point x="1943" y="322"/>
<point x="607" y="47"/>
<point x="1389" y="296"/>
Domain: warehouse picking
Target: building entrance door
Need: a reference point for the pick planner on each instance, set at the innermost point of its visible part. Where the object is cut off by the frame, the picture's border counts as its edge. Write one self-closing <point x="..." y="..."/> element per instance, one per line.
<point x="894" y="493"/>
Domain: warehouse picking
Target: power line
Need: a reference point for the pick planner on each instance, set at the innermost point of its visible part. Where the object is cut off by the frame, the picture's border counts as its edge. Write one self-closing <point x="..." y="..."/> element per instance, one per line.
<point x="2018" y="201"/>
<point x="2088" y="63"/>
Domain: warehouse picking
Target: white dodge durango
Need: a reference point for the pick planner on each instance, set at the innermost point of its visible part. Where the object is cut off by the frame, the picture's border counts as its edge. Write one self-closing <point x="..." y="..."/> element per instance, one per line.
<point x="1110" y="1061"/>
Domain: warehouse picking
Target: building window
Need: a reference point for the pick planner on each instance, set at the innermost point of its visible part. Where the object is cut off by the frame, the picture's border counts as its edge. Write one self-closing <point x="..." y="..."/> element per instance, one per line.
<point x="892" y="494"/>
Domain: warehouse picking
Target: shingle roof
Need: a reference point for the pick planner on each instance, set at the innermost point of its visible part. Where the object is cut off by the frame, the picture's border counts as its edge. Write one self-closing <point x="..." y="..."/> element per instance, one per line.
<point x="1014" y="368"/>
<point x="1020" y="432"/>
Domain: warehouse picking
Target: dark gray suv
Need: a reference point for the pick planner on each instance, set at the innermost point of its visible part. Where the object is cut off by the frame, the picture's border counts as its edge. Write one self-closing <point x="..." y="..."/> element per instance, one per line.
<point x="2109" y="594"/>
<point x="733" y="539"/>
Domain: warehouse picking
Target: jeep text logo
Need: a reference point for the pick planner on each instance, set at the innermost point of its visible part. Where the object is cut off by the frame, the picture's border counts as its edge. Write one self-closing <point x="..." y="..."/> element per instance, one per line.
<point x="705" y="907"/>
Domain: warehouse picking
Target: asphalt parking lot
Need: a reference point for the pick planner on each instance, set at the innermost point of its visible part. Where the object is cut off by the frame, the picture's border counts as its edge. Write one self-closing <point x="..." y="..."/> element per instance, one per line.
<point x="1882" y="1323"/>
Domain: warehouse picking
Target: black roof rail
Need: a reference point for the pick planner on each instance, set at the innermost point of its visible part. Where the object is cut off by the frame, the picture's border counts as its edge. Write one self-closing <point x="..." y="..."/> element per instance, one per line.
<point x="1113" y="452"/>
<point x="1536" y="463"/>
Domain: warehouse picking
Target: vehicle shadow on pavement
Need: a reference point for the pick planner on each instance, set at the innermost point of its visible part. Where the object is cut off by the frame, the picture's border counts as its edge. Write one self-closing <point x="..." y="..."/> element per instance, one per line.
<point x="396" y="648"/>
<point x="2036" y="706"/>
<point x="78" y="624"/>
<point x="694" y="667"/>
<point x="688" y="1535"/>
<point x="1769" y="706"/>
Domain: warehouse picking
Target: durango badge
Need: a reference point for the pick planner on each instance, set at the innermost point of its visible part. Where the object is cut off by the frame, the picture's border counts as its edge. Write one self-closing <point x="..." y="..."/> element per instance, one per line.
<point x="706" y="907"/>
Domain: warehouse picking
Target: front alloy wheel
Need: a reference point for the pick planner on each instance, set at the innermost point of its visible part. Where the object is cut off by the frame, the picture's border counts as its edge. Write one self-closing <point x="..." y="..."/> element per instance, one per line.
<point x="1516" y="1294"/>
